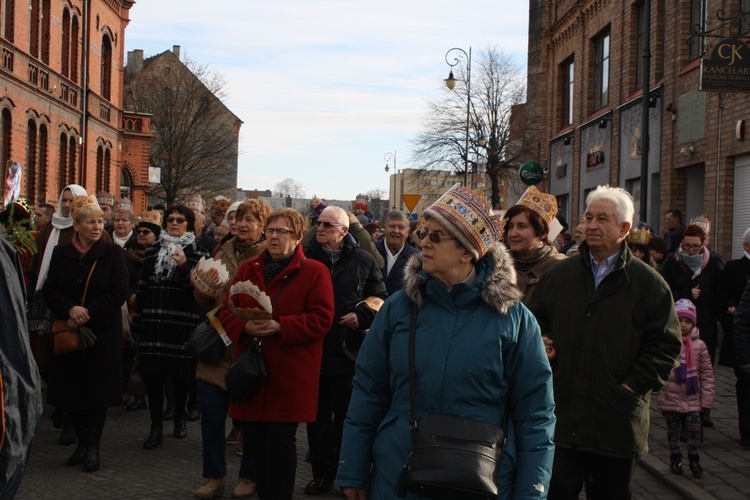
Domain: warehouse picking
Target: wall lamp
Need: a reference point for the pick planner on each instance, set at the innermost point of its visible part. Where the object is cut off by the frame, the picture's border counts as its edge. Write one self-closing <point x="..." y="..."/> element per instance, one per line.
<point x="603" y="122"/>
<point x="566" y="141"/>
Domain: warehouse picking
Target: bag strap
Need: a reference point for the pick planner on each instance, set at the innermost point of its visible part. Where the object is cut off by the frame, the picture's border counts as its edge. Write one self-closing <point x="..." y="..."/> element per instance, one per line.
<point x="412" y="382"/>
<point x="86" y="287"/>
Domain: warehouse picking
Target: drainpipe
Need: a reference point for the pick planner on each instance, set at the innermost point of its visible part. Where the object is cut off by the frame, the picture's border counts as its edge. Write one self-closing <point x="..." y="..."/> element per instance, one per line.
<point x="85" y="95"/>
<point x="715" y="229"/>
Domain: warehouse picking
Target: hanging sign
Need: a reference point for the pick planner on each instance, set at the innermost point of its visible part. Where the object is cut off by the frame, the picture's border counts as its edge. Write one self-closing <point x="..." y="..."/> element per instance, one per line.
<point x="728" y="68"/>
<point x="531" y="173"/>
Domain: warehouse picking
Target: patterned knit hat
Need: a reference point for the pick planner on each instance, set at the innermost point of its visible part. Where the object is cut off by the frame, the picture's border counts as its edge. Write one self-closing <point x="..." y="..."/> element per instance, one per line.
<point x="83" y="203"/>
<point x="468" y="217"/>
<point x="686" y="309"/>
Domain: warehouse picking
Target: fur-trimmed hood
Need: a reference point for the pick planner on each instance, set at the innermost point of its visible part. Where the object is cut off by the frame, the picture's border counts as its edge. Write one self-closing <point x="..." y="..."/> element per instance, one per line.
<point x="496" y="278"/>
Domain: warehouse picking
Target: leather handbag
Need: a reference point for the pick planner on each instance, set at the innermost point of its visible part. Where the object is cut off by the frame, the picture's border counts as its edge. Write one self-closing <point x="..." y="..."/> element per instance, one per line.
<point x="248" y="372"/>
<point x="66" y="340"/>
<point x="205" y="343"/>
<point x="451" y="457"/>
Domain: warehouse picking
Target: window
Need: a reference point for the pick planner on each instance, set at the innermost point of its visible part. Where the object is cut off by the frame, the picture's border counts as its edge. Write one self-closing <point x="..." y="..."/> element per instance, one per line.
<point x="100" y="170"/>
<point x="31" y="158"/>
<point x="745" y="21"/>
<point x="74" y="49"/>
<point x="697" y="22"/>
<point x="106" y="70"/>
<point x="42" y="169"/>
<point x="71" y="161"/>
<point x="62" y="163"/>
<point x="640" y="34"/>
<point x="65" y="56"/>
<point x="8" y="18"/>
<point x="566" y="91"/>
<point x="601" y="71"/>
<point x="6" y="127"/>
<point x="126" y="183"/>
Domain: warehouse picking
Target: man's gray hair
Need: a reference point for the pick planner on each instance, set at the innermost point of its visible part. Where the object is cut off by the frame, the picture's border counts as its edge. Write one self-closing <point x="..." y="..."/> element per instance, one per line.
<point x="746" y="237"/>
<point x="398" y="215"/>
<point x="622" y="200"/>
<point x="338" y="213"/>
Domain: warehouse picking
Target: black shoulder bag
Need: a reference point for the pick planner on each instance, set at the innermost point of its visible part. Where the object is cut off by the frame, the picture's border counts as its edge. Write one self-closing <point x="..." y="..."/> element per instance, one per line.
<point x="451" y="457"/>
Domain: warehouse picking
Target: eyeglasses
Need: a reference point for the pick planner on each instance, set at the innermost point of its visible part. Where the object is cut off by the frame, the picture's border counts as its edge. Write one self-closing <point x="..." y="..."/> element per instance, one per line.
<point x="276" y="230"/>
<point x="691" y="245"/>
<point x="144" y="232"/>
<point x="434" y="237"/>
<point x="326" y="224"/>
<point x="178" y="220"/>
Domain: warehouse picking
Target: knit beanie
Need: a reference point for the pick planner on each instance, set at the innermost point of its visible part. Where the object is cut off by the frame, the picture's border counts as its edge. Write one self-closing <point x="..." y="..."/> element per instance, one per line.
<point x="686" y="309"/>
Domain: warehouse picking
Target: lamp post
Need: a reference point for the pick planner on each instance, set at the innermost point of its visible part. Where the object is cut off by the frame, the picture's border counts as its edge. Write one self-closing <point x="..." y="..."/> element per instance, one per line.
<point x="388" y="157"/>
<point x="450" y="82"/>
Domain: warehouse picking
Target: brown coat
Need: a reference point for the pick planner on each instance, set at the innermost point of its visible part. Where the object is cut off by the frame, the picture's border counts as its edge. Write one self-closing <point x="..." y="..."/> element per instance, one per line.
<point x="528" y="279"/>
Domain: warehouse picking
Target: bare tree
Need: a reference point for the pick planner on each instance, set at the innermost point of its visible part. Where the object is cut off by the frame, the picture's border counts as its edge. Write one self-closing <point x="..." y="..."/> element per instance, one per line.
<point x="195" y="135"/>
<point x="497" y="86"/>
<point x="288" y="187"/>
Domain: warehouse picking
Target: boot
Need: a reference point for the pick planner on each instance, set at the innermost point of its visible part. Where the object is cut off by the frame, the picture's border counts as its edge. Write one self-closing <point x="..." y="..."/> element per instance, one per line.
<point x="706" y="419"/>
<point x="695" y="466"/>
<point x="211" y="488"/>
<point x="154" y="439"/>
<point x="77" y="457"/>
<point x="138" y="403"/>
<point x="94" y="428"/>
<point x="68" y="433"/>
<point x="676" y="467"/>
<point x="244" y="489"/>
<point x="180" y="428"/>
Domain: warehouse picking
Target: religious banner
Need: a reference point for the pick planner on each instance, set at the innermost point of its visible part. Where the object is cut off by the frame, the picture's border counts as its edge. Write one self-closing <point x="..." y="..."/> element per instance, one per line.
<point x="12" y="182"/>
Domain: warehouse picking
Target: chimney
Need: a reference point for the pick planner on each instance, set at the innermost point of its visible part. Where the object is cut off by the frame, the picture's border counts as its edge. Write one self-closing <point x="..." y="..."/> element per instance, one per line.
<point x="176" y="50"/>
<point x="135" y="63"/>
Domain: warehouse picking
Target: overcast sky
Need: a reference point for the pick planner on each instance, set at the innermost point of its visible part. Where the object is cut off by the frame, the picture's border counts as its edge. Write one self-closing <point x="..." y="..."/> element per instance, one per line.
<point x="326" y="88"/>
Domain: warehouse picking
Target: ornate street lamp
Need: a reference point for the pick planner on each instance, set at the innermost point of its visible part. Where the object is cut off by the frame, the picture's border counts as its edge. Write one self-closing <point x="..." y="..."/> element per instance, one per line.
<point x="388" y="157"/>
<point x="450" y="82"/>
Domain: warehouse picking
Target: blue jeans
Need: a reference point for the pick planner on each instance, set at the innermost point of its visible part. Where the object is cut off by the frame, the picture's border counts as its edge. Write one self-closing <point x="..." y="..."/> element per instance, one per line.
<point x="214" y="405"/>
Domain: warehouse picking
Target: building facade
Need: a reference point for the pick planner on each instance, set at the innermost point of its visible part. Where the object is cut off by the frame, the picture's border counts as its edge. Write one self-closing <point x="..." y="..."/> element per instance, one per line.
<point x="585" y="74"/>
<point x="429" y="185"/>
<point x="61" y="100"/>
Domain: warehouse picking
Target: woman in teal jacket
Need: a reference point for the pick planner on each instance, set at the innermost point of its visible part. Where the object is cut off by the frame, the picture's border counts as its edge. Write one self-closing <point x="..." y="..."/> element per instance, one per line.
<point x="479" y="354"/>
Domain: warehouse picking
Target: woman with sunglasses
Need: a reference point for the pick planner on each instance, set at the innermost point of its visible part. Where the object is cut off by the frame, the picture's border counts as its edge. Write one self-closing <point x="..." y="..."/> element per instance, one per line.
<point x="146" y="233"/>
<point x="165" y="314"/>
<point x="478" y="355"/>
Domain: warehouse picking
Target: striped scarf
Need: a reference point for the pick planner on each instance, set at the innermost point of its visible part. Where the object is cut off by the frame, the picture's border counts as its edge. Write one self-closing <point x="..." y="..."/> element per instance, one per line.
<point x="688" y="370"/>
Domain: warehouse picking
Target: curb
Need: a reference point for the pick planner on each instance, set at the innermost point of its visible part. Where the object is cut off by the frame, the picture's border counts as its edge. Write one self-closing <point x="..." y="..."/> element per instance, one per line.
<point x="657" y="469"/>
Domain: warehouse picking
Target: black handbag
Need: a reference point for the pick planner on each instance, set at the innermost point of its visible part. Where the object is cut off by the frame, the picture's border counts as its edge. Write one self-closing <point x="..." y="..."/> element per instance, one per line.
<point x="451" y="457"/>
<point x="205" y="343"/>
<point x="247" y="373"/>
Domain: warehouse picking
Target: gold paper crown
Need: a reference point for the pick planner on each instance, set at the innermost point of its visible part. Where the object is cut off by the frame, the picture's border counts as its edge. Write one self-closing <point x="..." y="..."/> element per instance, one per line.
<point x="152" y="217"/>
<point x="209" y="277"/>
<point x="194" y="202"/>
<point x="123" y="204"/>
<point x="639" y="236"/>
<point x="220" y="203"/>
<point x="105" y="199"/>
<point x="469" y="218"/>
<point x="542" y="203"/>
<point x="82" y="203"/>
<point x="702" y="222"/>
<point x="25" y="205"/>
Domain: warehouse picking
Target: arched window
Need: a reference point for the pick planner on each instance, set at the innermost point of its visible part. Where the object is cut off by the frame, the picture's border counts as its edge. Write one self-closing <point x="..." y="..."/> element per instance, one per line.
<point x="65" y="54"/>
<point x="45" y="32"/>
<point x="6" y="125"/>
<point x="72" y="170"/>
<point x="74" y="29"/>
<point x="62" y="164"/>
<point x="43" y="163"/>
<point x="9" y="20"/>
<point x="126" y="183"/>
<point x="106" y="71"/>
<point x="31" y="161"/>
<point x="100" y="169"/>
<point x="35" y="28"/>
<point x="107" y="171"/>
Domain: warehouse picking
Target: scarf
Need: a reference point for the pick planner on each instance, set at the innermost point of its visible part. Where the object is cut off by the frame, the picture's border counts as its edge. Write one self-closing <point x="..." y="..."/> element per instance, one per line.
<point x="58" y="223"/>
<point x="121" y="241"/>
<point x="78" y="245"/>
<point x="136" y="253"/>
<point x="696" y="263"/>
<point x="688" y="370"/>
<point x="165" y="264"/>
<point x="525" y="265"/>
<point x="273" y="268"/>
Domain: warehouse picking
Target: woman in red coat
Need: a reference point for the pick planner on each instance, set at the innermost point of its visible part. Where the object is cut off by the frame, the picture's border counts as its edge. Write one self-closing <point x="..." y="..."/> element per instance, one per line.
<point x="302" y="295"/>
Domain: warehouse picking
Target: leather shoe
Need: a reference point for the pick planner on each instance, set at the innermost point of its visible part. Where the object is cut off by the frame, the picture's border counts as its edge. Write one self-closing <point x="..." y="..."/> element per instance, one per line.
<point x="193" y="415"/>
<point x="168" y="414"/>
<point x="318" y="486"/>
<point x="154" y="439"/>
<point x="180" y="429"/>
<point x="244" y="489"/>
<point x="77" y="457"/>
<point x="138" y="403"/>
<point x="211" y="488"/>
<point x="235" y="435"/>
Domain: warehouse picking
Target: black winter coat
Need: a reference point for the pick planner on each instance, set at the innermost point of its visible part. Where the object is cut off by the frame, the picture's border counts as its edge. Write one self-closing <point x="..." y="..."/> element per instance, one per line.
<point x="394" y="280"/>
<point x="355" y="276"/>
<point x="742" y="328"/>
<point x="732" y="283"/>
<point x="92" y="377"/>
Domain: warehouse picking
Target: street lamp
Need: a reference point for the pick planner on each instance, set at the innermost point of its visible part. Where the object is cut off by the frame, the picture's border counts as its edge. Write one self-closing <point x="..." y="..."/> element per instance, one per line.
<point x="388" y="157"/>
<point x="450" y="82"/>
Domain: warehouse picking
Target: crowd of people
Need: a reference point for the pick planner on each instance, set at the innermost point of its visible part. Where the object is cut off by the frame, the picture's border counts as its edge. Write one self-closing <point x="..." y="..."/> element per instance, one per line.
<point x="368" y="326"/>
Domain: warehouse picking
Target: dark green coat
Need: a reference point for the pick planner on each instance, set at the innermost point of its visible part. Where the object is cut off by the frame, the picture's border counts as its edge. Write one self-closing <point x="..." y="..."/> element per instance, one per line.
<point x="626" y="331"/>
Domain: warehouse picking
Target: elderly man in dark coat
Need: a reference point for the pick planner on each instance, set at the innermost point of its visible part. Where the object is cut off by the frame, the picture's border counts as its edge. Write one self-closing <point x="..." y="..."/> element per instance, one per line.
<point x="395" y="251"/>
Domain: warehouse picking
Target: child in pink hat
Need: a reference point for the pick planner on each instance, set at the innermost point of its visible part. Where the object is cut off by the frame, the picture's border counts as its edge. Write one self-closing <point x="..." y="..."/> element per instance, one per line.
<point x="689" y="391"/>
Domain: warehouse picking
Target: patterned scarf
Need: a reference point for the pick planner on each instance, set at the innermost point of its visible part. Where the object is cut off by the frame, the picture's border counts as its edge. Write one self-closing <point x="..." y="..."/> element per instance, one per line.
<point x="165" y="264"/>
<point x="273" y="268"/>
<point x="525" y="265"/>
<point x="688" y="370"/>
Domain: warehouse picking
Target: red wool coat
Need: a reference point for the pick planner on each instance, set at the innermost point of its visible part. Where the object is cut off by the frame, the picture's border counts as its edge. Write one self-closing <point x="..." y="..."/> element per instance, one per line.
<point x="304" y="310"/>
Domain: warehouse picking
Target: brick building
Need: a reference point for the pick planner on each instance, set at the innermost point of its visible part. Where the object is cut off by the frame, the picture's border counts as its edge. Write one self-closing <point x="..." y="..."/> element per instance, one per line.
<point x="61" y="99"/>
<point x="585" y="88"/>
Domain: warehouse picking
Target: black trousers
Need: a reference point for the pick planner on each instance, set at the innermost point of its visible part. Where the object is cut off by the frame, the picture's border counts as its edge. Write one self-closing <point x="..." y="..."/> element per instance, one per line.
<point x="272" y="450"/>
<point x="324" y="435"/>
<point x="155" y="389"/>
<point x="606" y="478"/>
<point x="742" y="388"/>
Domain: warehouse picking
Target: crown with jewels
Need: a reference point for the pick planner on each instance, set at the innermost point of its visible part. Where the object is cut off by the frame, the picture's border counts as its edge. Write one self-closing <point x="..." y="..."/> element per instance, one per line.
<point x="702" y="222"/>
<point x="220" y="203"/>
<point x="123" y="204"/>
<point x="83" y="203"/>
<point x="639" y="236"/>
<point x="194" y="202"/>
<point x="105" y="199"/>
<point x="151" y="217"/>
<point x="542" y="203"/>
